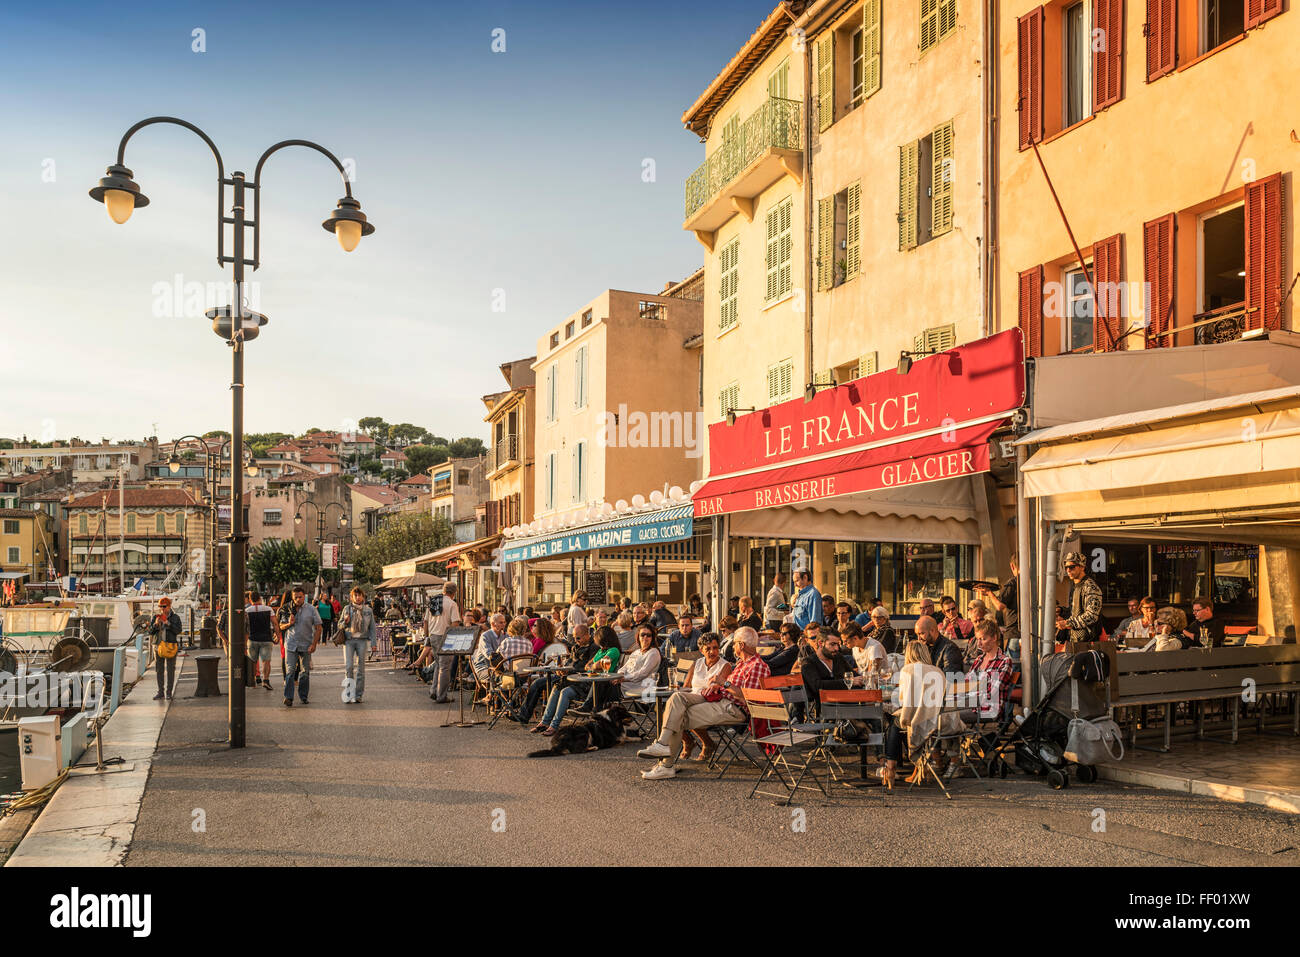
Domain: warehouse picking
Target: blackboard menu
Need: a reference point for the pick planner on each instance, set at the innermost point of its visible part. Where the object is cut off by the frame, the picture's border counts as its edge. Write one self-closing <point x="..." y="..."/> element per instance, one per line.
<point x="595" y="588"/>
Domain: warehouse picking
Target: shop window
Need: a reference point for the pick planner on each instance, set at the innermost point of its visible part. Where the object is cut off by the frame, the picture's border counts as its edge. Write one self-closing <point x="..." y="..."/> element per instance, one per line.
<point x="1123" y="573"/>
<point x="1179" y="573"/>
<point x="1236" y="582"/>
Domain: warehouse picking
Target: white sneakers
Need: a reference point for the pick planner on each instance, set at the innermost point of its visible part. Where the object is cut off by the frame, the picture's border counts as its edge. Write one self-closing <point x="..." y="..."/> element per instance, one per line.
<point x="659" y="772"/>
<point x="653" y="750"/>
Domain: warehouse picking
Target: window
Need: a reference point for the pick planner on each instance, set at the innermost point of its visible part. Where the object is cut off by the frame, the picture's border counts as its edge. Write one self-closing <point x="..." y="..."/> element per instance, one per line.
<point x="728" y="399"/>
<point x="462" y="476"/>
<point x="651" y="310"/>
<point x="926" y="170"/>
<point x="555" y="339"/>
<point x="130" y="524"/>
<point x="160" y="523"/>
<point x="586" y="319"/>
<point x="936" y="339"/>
<point x="272" y="516"/>
<point x="82" y="525"/>
<point x="866" y="364"/>
<point x="1077" y="322"/>
<point x="1222" y="279"/>
<point x="1076" y="59"/>
<point x="778" y="81"/>
<point x="779" y="250"/>
<point x="15" y="555"/>
<point x="11" y="526"/>
<point x="839" y="237"/>
<point x="1220" y="21"/>
<point x="780" y="381"/>
<point x="580" y="472"/>
<point x="938" y="19"/>
<point x="855" y="68"/>
<point x="568" y="330"/>
<point x="551" y="394"/>
<point x="551" y="459"/>
<point x="729" y="285"/>
<point x="580" y="379"/>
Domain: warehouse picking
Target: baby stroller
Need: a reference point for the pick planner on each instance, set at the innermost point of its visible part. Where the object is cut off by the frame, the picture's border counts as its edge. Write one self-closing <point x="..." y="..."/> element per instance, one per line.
<point x="1074" y="686"/>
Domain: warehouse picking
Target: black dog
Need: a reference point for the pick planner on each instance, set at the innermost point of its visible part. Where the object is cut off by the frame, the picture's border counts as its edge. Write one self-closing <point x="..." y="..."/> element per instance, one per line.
<point x="604" y="730"/>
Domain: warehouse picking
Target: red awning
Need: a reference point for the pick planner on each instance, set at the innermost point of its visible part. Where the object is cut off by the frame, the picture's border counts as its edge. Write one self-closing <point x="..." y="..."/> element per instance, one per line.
<point x="932" y="458"/>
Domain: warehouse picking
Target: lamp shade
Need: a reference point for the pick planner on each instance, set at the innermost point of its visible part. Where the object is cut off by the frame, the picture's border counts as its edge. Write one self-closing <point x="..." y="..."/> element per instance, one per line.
<point x="119" y="193"/>
<point x="348" y="223"/>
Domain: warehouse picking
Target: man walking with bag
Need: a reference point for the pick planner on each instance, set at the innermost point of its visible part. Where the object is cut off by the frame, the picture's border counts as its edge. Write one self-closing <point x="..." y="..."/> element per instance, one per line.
<point x="300" y="641"/>
<point x="443" y="614"/>
<point x="166" y="631"/>
<point x="357" y="625"/>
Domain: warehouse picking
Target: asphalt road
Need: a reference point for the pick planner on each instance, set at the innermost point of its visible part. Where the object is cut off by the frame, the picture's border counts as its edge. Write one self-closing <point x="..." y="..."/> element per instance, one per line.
<point x="381" y="784"/>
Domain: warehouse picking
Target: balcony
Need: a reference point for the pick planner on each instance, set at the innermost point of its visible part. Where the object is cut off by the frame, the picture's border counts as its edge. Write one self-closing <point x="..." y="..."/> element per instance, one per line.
<point x="767" y="146"/>
<point x="503" y="453"/>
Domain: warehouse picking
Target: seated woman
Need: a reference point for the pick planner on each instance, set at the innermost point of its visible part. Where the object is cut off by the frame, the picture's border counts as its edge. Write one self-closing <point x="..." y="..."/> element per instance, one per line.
<point x="991" y="667"/>
<point x="726" y="637"/>
<point x="780" y="662"/>
<point x="639" y="672"/>
<point x="603" y="661"/>
<point x="921" y="689"/>
<point x="712" y="667"/>
<point x="543" y="634"/>
<point x="882" y="631"/>
<point x="1171" y="622"/>
<point x="626" y="633"/>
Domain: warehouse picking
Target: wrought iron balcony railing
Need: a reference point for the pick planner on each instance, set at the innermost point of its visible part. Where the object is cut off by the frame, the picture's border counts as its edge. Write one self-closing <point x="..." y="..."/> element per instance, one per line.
<point x="774" y="125"/>
<point x="504" y="452"/>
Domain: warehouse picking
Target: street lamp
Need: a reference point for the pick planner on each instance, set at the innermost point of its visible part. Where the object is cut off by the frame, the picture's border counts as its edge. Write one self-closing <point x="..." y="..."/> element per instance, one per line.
<point x="121" y="195"/>
<point x="321" y="513"/>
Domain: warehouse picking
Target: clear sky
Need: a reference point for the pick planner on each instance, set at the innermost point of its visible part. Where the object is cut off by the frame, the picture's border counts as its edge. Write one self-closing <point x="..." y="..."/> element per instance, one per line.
<point x="519" y="171"/>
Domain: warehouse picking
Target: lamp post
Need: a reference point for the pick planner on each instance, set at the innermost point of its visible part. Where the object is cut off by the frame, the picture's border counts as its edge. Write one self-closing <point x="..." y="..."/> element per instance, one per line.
<point x="321" y="514"/>
<point x="121" y="195"/>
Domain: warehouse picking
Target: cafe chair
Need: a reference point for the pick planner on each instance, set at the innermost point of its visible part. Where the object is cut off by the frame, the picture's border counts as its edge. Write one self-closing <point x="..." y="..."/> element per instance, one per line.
<point x="840" y="713"/>
<point x="785" y="749"/>
<point x="507" y="689"/>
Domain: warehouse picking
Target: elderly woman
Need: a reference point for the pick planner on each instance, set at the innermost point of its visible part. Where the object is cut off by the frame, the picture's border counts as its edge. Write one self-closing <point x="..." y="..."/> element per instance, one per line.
<point x="882" y="631"/>
<point x="623" y="627"/>
<point x="704" y="671"/>
<point x="921" y="691"/>
<point x="781" y="662"/>
<point x="603" y="661"/>
<point x="1170" y="623"/>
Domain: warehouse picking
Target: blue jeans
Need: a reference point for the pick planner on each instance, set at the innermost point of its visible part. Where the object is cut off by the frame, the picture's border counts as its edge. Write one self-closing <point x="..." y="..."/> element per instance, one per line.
<point x="534" y="694"/>
<point x="557" y="704"/>
<point x="354" y="652"/>
<point x="296" y="663"/>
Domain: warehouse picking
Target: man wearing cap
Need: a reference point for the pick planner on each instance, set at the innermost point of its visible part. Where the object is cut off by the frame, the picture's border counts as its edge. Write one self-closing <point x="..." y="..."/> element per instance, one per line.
<point x="166" y="626"/>
<point x="1084" y="623"/>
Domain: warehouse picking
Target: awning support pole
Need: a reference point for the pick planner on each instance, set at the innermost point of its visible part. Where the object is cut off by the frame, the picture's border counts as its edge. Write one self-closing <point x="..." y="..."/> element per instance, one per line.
<point x="1024" y="597"/>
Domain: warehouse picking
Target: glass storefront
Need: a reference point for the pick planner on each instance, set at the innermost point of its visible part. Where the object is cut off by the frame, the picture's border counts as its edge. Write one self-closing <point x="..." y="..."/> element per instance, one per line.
<point x="1175" y="573"/>
<point x="899" y="574"/>
<point x="672" y="581"/>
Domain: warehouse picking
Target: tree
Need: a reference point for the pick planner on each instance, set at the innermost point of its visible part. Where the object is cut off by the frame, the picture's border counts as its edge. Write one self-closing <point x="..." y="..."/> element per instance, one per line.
<point x="216" y="432"/>
<point x="404" y="433"/>
<point x="375" y="427"/>
<point x="420" y="458"/>
<point x="312" y="431"/>
<point x="371" y="466"/>
<point x="401" y="538"/>
<point x="467" y="447"/>
<point x="279" y="562"/>
<point x="259" y="442"/>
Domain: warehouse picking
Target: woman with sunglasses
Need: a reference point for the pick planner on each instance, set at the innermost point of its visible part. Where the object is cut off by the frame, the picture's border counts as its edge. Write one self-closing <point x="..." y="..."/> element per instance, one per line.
<point x="704" y="671"/>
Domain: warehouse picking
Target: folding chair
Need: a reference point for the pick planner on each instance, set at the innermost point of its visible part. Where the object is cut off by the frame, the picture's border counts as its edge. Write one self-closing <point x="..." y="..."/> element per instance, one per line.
<point x="941" y="740"/>
<point x="839" y="709"/>
<point x="507" y="690"/>
<point x="773" y="706"/>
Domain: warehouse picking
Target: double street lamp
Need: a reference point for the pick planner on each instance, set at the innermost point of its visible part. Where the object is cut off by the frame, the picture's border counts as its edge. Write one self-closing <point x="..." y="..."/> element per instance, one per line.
<point x="121" y="196"/>
<point x="321" y="514"/>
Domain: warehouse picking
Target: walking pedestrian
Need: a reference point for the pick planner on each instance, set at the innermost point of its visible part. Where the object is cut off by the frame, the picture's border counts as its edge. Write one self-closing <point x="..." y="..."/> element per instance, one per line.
<point x="358" y="626"/>
<point x="578" y="610"/>
<point x="808" y="603"/>
<point x="166" y="631"/>
<point x="261" y="636"/>
<point x="325" y="609"/>
<point x="283" y="615"/>
<point x="301" y="638"/>
<point x="443" y="614"/>
<point x="775" y="598"/>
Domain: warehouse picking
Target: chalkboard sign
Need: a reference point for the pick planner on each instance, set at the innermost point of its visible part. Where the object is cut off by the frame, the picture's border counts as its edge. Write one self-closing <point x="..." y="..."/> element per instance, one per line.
<point x="595" y="588"/>
<point x="459" y="641"/>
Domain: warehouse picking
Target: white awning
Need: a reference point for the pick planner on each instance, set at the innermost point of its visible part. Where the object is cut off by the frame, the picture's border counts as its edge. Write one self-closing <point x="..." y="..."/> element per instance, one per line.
<point x="1230" y="461"/>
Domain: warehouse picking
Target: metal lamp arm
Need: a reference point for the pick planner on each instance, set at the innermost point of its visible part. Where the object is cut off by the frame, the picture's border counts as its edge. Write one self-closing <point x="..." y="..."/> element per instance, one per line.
<point x="257" y="187"/>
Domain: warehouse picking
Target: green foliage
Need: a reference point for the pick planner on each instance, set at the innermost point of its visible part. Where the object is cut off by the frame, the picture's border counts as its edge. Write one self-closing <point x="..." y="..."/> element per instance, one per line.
<point x="215" y="432"/>
<point x="420" y="458"/>
<point x="405" y="433"/>
<point x="371" y="466"/>
<point x="259" y="442"/>
<point x="375" y="427"/>
<point x="400" y="538"/>
<point x="277" y="563"/>
<point x="466" y="447"/>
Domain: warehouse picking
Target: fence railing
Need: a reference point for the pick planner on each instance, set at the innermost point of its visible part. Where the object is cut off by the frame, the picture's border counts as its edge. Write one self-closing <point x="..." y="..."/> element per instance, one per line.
<point x="774" y="125"/>
<point x="505" y="450"/>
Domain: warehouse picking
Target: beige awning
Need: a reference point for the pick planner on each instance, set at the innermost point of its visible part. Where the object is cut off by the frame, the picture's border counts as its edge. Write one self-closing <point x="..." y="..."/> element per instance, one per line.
<point x="418" y="580"/>
<point x="936" y="512"/>
<point x="1228" y="462"/>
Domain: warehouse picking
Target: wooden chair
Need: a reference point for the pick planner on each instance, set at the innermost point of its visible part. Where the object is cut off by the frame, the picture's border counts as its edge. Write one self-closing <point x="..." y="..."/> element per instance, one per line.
<point x="778" y="746"/>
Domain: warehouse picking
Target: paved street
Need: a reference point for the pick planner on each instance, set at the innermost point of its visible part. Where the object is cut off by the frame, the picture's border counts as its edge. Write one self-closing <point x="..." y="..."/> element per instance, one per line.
<point x="382" y="784"/>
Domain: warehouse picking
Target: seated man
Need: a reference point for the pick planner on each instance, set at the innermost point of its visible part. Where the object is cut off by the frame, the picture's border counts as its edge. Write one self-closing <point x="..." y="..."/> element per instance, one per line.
<point x="824" y="668"/>
<point x="581" y="651"/>
<point x="943" y="653"/>
<point x="488" y="642"/>
<point x="686" y="637"/>
<point x="721" y="702"/>
<point x="954" y="626"/>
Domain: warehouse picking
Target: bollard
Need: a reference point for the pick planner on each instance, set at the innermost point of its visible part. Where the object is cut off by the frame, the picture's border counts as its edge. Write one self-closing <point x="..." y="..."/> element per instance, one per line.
<point x="207" y="665"/>
<point x="208" y="636"/>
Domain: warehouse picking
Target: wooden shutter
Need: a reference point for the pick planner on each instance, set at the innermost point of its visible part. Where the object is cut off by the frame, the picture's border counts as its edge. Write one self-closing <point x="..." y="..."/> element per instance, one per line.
<point x="1029" y="35"/>
<point x="729" y="285"/>
<point x="941" y="179"/>
<point x="1257" y="11"/>
<point x="1162" y="37"/>
<point x="909" y="158"/>
<point x="1264" y="252"/>
<point x="1031" y="310"/>
<point x="871" y="32"/>
<point x="929" y="24"/>
<point x="785" y="248"/>
<point x="825" y="81"/>
<point x="825" y="242"/>
<point x="853" y="231"/>
<point x="866" y="364"/>
<point x="1158" y="271"/>
<point x="1108" y="62"/>
<point x="1107" y="259"/>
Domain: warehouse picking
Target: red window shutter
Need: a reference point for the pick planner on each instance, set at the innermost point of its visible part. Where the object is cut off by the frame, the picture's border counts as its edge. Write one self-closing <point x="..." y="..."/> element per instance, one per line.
<point x="1029" y="35"/>
<point x="1257" y="11"/>
<point x="1162" y="37"/>
<point x="1107" y="257"/>
<point x="1264" y="252"/>
<point x="1031" y="310"/>
<point x="1108" y="62"/>
<point x="1158" y="268"/>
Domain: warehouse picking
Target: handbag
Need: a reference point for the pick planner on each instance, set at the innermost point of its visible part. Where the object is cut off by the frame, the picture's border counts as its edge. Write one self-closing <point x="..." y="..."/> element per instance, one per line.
<point x="168" y="649"/>
<point x="1094" y="742"/>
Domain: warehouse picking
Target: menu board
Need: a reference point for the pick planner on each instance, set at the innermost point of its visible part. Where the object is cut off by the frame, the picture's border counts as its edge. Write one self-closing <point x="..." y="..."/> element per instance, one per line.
<point x="595" y="582"/>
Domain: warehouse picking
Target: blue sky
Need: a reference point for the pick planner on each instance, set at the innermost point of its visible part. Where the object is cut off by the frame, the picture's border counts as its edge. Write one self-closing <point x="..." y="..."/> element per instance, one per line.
<point x="519" y="171"/>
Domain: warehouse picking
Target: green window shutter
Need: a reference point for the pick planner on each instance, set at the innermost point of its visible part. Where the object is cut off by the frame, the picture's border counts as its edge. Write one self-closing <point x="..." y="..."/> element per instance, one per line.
<point x="778" y="81"/>
<point x="729" y="285"/>
<point x="785" y="274"/>
<point x="853" y="232"/>
<point x="908" y="167"/>
<point x="779" y="380"/>
<point x="870" y="47"/>
<point x="941" y="180"/>
<point x="866" y="364"/>
<point x="936" y="339"/>
<point x="825" y="81"/>
<point x="825" y="242"/>
<point x="773" y="250"/>
<point x="728" y="399"/>
<point x="929" y="24"/>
